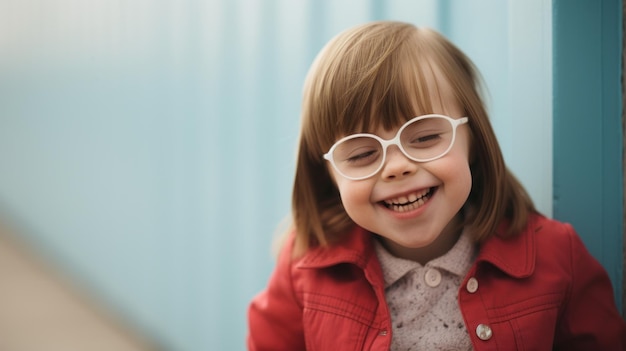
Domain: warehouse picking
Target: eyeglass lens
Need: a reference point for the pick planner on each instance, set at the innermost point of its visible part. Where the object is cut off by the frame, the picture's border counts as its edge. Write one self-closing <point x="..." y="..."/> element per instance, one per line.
<point x="421" y="140"/>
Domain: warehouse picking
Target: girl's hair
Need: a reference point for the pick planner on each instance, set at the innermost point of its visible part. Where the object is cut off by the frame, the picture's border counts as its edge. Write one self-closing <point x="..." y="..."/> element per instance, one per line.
<point x="380" y="75"/>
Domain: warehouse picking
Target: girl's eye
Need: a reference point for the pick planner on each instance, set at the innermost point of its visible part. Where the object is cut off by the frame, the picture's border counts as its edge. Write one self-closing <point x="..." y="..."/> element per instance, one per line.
<point x="425" y="140"/>
<point x="363" y="157"/>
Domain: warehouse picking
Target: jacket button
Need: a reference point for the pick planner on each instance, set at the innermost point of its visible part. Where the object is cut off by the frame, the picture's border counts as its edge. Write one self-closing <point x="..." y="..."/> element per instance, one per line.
<point x="484" y="332"/>
<point x="472" y="285"/>
<point x="432" y="277"/>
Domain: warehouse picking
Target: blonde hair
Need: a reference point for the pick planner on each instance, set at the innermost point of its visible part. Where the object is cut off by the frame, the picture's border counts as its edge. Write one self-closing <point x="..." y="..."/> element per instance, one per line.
<point x="376" y="75"/>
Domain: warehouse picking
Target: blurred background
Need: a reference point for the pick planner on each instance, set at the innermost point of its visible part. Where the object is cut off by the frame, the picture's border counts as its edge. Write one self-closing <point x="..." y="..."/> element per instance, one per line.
<point x="147" y="150"/>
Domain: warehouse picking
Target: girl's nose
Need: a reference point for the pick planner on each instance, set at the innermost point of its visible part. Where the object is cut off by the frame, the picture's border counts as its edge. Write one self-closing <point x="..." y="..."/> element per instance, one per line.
<point x="397" y="165"/>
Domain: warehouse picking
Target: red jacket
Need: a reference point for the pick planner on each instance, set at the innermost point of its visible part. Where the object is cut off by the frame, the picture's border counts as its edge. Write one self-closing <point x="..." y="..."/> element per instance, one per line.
<point x="540" y="290"/>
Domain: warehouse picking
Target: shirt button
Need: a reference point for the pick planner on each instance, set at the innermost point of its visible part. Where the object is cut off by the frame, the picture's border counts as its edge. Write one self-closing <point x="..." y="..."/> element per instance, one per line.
<point x="432" y="277"/>
<point x="472" y="285"/>
<point x="483" y="332"/>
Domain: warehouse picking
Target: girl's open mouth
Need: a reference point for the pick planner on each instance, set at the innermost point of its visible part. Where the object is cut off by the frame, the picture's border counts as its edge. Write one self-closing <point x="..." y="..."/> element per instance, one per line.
<point x="409" y="202"/>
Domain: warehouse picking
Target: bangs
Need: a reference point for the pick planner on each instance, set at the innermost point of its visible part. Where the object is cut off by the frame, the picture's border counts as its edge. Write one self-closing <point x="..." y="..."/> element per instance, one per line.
<point x="404" y="87"/>
<point x="368" y="82"/>
<point x="399" y="91"/>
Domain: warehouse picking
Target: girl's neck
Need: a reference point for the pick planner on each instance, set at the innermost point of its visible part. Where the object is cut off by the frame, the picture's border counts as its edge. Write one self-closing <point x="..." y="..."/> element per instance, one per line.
<point x="444" y="242"/>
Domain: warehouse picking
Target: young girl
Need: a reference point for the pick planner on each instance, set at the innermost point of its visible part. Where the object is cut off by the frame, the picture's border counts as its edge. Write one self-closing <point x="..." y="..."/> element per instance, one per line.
<point x="409" y="231"/>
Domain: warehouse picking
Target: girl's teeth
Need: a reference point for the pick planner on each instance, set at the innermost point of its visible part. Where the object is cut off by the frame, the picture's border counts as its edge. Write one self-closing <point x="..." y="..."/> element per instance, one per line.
<point x="409" y="207"/>
<point x="408" y="203"/>
<point x="404" y="200"/>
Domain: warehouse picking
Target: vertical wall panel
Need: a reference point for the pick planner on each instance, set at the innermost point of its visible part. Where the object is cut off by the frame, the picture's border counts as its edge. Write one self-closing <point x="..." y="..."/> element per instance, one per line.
<point x="588" y="173"/>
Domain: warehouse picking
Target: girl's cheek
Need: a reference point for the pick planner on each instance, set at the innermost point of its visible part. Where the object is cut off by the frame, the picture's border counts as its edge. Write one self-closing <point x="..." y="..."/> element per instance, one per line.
<point x="354" y="192"/>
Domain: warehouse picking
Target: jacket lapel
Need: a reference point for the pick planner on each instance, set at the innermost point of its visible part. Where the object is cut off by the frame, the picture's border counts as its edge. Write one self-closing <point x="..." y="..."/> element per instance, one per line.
<point x="513" y="255"/>
<point x="356" y="248"/>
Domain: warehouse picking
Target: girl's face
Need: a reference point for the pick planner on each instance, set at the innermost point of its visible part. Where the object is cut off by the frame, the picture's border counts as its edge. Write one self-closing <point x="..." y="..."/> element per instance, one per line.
<point x="437" y="190"/>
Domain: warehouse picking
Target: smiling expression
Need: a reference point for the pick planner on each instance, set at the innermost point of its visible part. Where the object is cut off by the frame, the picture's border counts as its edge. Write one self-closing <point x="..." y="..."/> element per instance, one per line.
<point x="413" y="206"/>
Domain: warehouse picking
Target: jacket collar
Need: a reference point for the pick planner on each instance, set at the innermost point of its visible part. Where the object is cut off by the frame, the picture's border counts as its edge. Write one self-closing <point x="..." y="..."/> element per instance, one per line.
<point x="513" y="255"/>
<point x="356" y="248"/>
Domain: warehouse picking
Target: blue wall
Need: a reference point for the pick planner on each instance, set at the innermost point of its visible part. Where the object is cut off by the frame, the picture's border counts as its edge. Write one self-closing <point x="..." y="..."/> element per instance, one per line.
<point x="147" y="147"/>
<point x="588" y="134"/>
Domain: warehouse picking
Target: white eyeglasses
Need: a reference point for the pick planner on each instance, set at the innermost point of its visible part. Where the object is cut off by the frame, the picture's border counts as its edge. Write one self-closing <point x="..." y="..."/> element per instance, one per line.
<point x="422" y="139"/>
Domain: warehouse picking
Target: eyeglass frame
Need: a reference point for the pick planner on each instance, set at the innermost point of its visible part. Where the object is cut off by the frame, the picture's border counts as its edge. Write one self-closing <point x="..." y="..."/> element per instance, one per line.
<point x="385" y="143"/>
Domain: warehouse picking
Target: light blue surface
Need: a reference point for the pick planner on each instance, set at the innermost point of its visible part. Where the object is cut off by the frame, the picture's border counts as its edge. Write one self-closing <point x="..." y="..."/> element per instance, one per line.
<point x="148" y="147"/>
